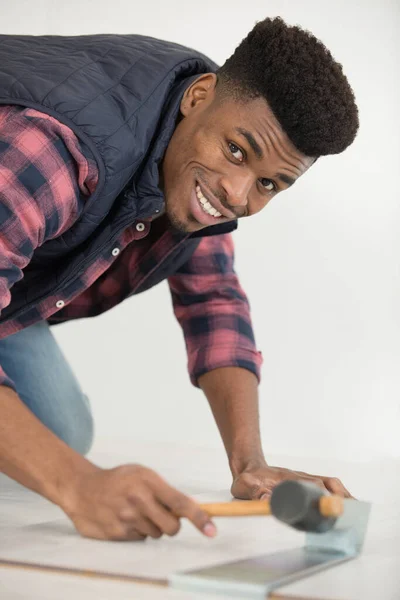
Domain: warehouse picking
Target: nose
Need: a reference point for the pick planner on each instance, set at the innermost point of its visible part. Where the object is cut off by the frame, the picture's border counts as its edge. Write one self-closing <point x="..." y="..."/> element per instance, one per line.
<point x="237" y="187"/>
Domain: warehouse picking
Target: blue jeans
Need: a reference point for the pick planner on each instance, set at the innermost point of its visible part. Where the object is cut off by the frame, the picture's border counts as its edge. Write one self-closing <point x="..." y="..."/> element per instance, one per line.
<point x="46" y="384"/>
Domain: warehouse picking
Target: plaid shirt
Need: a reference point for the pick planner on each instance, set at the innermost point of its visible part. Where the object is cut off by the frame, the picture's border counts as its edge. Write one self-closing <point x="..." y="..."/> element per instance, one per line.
<point x="44" y="182"/>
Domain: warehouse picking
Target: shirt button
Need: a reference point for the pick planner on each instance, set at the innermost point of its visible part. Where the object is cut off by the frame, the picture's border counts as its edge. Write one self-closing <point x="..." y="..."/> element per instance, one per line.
<point x="140" y="227"/>
<point x="115" y="252"/>
<point x="60" y="303"/>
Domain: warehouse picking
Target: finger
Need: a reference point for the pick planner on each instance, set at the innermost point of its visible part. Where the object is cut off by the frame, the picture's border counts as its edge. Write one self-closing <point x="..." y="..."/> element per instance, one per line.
<point x="331" y="484"/>
<point x="249" y="487"/>
<point x="122" y="532"/>
<point x="265" y="496"/>
<point x="294" y="476"/>
<point x="183" y="506"/>
<point x="132" y="535"/>
<point x="150" y="508"/>
<point x="347" y="493"/>
<point x="262" y="490"/>
<point x="148" y="528"/>
<point x="334" y="485"/>
<point x="314" y="480"/>
<point x="115" y="534"/>
<point x="140" y="523"/>
<point x="306" y="475"/>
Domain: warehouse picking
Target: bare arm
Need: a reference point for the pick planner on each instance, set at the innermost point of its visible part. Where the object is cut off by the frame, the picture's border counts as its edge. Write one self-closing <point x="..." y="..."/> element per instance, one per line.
<point x="233" y="396"/>
<point x="129" y="502"/>
<point x="32" y="455"/>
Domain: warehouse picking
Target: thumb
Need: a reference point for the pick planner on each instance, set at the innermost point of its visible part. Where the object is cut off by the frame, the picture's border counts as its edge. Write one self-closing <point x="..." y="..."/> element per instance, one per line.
<point x="246" y="487"/>
<point x="250" y="487"/>
<point x="265" y="496"/>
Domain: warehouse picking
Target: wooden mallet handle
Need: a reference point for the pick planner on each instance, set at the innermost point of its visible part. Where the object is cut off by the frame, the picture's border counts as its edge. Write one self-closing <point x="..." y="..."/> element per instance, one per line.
<point x="329" y="506"/>
<point x="237" y="508"/>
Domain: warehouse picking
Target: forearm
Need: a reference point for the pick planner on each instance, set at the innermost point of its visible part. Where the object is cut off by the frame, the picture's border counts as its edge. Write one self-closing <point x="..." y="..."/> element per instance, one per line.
<point x="32" y="455"/>
<point x="233" y="396"/>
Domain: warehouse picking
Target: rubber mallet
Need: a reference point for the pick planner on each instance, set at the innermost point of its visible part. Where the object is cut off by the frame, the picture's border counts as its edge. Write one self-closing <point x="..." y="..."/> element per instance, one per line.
<point x="300" y="504"/>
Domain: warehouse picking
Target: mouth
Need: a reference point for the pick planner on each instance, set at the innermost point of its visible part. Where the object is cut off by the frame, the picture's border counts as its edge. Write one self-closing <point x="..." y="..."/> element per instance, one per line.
<point x="210" y="205"/>
<point x="207" y="210"/>
<point x="206" y="205"/>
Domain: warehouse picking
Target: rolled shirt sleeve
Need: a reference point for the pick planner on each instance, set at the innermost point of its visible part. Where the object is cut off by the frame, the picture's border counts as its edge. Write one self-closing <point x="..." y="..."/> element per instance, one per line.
<point x="213" y="310"/>
<point x="41" y="190"/>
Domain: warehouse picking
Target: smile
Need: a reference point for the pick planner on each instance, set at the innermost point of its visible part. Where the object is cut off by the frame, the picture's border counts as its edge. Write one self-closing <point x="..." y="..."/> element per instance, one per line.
<point x="206" y="205"/>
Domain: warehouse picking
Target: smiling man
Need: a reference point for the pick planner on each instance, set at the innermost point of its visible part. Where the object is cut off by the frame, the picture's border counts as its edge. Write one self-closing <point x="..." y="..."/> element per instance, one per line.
<point x="125" y="161"/>
<point x="207" y="148"/>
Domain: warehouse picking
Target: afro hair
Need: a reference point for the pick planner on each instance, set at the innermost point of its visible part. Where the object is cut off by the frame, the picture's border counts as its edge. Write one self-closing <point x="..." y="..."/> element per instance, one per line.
<point x="303" y="85"/>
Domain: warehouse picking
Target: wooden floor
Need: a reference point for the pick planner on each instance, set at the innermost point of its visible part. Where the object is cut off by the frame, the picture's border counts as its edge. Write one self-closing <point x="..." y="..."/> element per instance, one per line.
<point x="42" y="557"/>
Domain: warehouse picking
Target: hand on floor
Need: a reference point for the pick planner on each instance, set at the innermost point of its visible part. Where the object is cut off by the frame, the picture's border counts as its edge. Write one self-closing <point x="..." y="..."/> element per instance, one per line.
<point x="257" y="482"/>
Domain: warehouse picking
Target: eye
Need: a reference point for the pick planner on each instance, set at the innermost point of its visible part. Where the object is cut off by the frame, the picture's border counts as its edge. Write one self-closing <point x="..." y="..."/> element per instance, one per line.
<point x="237" y="152"/>
<point x="268" y="184"/>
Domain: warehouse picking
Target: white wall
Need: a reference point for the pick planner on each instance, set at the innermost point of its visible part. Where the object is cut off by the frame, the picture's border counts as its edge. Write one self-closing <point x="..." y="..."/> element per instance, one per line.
<point x="320" y="265"/>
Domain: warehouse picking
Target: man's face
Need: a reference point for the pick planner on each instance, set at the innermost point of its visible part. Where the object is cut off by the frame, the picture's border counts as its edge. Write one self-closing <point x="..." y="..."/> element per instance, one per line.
<point x="226" y="159"/>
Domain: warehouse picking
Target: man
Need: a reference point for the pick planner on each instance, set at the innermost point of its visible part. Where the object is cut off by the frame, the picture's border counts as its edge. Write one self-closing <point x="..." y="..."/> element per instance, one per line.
<point x="124" y="161"/>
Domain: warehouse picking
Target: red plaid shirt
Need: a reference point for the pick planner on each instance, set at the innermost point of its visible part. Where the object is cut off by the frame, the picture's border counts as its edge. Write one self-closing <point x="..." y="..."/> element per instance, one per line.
<point x="44" y="182"/>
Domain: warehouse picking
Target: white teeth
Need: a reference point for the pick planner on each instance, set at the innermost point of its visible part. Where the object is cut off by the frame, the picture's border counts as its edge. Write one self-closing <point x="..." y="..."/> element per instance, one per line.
<point x="206" y="205"/>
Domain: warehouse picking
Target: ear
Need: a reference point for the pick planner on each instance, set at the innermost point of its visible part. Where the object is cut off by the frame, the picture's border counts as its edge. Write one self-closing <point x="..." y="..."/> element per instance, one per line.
<point x="200" y="91"/>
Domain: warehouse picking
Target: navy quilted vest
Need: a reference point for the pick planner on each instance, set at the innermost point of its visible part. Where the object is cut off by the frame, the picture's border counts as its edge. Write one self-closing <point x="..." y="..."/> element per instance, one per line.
<point x="120" y="94"/>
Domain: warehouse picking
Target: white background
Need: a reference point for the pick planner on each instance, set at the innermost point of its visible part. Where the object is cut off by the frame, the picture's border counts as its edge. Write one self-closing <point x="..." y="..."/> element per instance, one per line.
<point x="320" y="264"/>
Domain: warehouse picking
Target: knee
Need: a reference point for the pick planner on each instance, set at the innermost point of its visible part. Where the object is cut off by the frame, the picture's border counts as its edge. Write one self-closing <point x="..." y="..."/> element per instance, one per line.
<point x="79" y="434"/>
<point x="67" y="415"/>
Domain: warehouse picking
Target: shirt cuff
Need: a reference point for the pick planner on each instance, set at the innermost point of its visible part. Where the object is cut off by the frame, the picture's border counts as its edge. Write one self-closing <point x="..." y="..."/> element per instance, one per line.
<point x="207" y="359"/>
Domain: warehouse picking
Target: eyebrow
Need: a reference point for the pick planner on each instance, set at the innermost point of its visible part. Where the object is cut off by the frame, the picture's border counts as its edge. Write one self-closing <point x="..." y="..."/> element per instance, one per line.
<point x="251" y="141"/>
<point x="259" y="153"/>
<point x="286" y="179"/>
